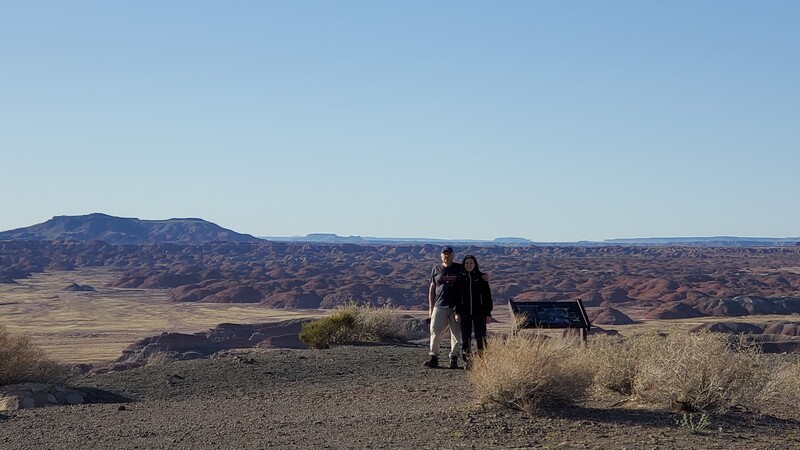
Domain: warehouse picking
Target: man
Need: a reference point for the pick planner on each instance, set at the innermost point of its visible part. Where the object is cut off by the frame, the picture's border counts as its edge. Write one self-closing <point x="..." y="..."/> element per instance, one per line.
<point x="443" y="295"/>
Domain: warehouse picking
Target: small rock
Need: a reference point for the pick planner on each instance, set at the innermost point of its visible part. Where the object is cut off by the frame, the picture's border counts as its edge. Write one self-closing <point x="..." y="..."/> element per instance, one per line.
<point x="74" y="398"/>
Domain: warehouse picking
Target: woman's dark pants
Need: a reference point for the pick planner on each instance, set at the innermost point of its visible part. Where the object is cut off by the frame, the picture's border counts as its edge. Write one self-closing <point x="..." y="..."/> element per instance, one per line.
<point x="468" y="324"/>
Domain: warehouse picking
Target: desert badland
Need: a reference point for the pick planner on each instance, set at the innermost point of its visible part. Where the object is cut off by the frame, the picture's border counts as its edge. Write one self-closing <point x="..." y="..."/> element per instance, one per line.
<point x="86" y="300"/>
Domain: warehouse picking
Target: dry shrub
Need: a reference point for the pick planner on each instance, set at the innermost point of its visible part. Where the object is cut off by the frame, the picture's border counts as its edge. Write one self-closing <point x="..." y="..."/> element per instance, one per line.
<point x="356" y="323"/>
<point x="336" y="328"/>
<point x="527" y="371"/>
<point x="781" y="393"/>
<point x="21" y="361"/>
<point x="697" y="372"/>
<point x="380" y="324"/>
<point x="615" y="360"/>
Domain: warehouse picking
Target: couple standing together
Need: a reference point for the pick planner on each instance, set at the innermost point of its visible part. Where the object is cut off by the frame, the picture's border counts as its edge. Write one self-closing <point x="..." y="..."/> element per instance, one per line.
<point x="458" y="297"/>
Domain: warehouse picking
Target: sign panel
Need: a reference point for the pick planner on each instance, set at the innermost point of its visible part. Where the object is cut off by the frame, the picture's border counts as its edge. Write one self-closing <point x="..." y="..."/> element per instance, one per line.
<point x="561" y="314"/>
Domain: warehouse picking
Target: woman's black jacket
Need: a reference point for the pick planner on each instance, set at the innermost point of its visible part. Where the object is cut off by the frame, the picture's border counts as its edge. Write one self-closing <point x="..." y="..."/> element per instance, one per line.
<point x="476" y="297"/>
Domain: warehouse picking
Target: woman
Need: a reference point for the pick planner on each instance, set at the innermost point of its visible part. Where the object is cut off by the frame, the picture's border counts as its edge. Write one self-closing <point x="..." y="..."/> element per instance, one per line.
<point x="474" y="308"/>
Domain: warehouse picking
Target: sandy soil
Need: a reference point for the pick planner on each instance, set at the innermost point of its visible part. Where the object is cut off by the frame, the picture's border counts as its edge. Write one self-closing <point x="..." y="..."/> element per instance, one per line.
<point x="346" y="397"/>
<point x="94" y="327"/>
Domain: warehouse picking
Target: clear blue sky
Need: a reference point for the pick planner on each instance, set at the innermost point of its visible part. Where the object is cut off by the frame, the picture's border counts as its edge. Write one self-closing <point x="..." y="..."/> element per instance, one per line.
<point x="553" y="121"/>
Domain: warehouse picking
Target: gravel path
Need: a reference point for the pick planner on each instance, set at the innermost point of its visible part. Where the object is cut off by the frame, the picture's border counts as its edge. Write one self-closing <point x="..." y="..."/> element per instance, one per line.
<point x="346" y="397"/>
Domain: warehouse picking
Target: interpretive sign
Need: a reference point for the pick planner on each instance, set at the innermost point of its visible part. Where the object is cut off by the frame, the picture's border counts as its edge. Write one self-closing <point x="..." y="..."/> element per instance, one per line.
<point x="561" y="314"/>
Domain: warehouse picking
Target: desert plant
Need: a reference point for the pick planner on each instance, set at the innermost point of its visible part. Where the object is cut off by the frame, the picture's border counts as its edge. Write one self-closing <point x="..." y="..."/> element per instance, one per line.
<point x="518" y="322"/>
<point x="21" y="361"/>
<point x="698" y="372"/>
<point x="694" y="424"/>
<point x="336" y="328"/>
<point x="379" y="324"/>
<point x="781" y="393"/>
<point x="615" y="359"/>
<point x="354" y="323"/>
<point x="527" y="371"/>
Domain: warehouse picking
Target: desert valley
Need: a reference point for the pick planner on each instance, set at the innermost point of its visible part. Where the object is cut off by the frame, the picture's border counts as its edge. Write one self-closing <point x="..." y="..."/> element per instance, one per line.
<point x="192" y="265"/>
<point x="87" y="288"/>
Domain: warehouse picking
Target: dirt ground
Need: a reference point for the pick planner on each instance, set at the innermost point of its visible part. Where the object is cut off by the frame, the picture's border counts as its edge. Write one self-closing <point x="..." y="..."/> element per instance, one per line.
<point x="346" y="397"/>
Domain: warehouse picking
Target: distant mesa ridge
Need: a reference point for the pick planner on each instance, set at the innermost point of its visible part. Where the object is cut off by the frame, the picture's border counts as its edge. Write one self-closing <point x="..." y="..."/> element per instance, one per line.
<point x="122" y="230"/>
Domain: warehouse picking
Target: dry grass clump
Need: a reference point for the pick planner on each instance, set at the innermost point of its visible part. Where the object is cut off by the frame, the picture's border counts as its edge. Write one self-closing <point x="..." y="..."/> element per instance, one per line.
<point x="21" y="361"/>
<point x="697" y="372"/>
<point x="616" y="360"/>
<point x="529" y="371"/>
<point x="337" y="328"/>
<point x="781" y="393"/>
<point x="356" y="323"/>
<point x="703" y="371"/>
<point x="380" y="324"/>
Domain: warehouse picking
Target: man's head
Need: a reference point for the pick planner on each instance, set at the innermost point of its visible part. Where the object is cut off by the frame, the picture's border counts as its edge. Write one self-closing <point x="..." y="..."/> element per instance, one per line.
<point x="447" y="256"/>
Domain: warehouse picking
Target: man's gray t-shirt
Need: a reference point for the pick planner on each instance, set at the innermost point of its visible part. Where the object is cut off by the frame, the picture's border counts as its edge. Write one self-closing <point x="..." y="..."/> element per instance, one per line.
<point x="446" y="281"/>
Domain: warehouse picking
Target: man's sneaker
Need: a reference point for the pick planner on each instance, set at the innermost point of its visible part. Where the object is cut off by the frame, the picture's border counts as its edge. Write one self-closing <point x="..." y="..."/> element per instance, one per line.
<point x="432" y="363"/>
<point x="454" y="363"/>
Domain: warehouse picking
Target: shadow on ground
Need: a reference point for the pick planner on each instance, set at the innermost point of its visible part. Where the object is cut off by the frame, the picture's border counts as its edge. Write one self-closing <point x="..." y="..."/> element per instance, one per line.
<point x="657" y="419"/>
<point x="95" y="395"/>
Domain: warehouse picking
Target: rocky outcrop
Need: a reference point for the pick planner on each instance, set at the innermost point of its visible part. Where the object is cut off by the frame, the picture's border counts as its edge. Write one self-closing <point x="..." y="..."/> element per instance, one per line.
<point x="745" y="305"/>
<point x="235" y="294"/>
<point x="679" y="310"/>
<point x="33" y="395"/>
<point x="785" y="328"/>
<point x="75" y="287"/>
<point x="771" y="337"/>
<point x="614" y="295"/>
<point x="8" y="275"/>
<point x="609" y="316"/>
<point x="226" y="336"/>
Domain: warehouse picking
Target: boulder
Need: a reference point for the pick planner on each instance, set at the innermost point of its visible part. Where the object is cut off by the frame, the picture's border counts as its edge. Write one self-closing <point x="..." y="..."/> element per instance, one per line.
<point x="34" y="395"/>
<point x="225" y="336"/>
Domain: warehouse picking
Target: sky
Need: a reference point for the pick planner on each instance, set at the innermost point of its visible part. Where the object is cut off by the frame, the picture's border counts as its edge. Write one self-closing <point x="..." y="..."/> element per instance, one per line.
<point x="555" y="121"/>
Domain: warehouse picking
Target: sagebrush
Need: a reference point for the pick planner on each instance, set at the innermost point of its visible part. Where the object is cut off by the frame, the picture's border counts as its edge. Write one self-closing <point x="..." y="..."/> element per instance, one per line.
<point x="616" y="360"/>
<point x="21" y="361"/>
<point x="528" y="371"/>
<point x="704" y="372"/>
<point x="356" y="323"/>
<point x="686" y="371"/>
<point x="781" y="393"/>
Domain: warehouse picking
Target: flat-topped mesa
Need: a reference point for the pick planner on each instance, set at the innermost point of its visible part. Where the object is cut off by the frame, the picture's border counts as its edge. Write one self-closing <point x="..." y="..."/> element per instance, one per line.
<point x="125" y="230"/>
